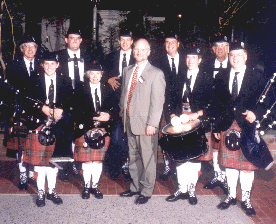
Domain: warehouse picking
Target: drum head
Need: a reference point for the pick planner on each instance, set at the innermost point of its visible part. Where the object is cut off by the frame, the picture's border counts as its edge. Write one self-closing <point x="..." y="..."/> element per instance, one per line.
<point x="184" y="129"/>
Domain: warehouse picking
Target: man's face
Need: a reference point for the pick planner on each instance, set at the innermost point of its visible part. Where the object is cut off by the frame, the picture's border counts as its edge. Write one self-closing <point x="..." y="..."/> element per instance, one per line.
<point x="237" y="58"/>
<point x="29" y="50"/>
<point x="95" y="76"/>
<point x="171" y="45"/>
<point x="141" y="51"/>
<point x="73" y="41"/>
<point x="192" y="61"/>
<point x="125" y="43"/>
<point x="50" y="67"/>
<point x="221" y="50"/>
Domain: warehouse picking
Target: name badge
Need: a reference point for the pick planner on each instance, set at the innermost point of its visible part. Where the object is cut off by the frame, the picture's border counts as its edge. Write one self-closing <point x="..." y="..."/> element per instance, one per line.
<point x="141" y="79"/>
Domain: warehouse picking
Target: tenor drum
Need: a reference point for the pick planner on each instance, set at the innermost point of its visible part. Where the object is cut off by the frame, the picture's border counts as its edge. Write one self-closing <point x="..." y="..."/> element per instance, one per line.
<point x="184" y="143"/>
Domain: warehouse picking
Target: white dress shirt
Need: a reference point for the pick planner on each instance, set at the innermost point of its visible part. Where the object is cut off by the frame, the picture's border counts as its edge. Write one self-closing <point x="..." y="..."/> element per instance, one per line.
<point x="71" y="65"/>
<point x="98" y="87"/>
<point x="128" y="53"/>
<point x="239" y="78"/>
<point x="217" y="65"/>
<point x="27" y="63"/>
<point x="193" y="75"/>
<point x="176" y="61"/>
<point x="48" y="83"/>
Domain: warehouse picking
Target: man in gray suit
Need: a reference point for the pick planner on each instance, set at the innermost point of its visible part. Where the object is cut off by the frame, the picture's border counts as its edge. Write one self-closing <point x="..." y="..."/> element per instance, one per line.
<point x="141" y="104"/>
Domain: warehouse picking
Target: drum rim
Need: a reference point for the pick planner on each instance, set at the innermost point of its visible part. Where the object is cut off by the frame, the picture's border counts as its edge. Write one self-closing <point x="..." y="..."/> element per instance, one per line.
<point x="179" y="134"/>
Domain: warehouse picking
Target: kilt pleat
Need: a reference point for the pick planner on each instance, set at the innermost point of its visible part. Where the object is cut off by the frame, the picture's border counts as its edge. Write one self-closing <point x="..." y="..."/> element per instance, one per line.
<point x="233" y="159"/>
<point x="13" y="139"/>
<point x="35" y="153"/>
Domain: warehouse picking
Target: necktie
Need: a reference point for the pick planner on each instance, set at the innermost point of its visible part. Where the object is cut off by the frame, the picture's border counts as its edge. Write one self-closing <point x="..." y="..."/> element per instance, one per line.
<point x="235" y="87"/>
<point x="220" y="67"/>
<point x="51" y="93"/>
<point x="187" y="91"/>
<point x="97" y="102"/>
<point x="173" y="68"/>
<point x="76" y="71"/>
<point x="124" y="63"/>
<point x="31" y="68"/>
<point x="132" y="87"/>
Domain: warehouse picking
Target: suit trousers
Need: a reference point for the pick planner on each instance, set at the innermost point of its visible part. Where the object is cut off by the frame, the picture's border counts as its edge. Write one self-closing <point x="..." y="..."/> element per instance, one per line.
<point x="142" y="161"/>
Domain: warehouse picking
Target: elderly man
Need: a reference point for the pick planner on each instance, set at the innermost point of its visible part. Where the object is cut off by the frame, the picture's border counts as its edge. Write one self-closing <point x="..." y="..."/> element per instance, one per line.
<point x="219" y="64"/>
<point x="141" y="103"/>
<point x="237" y="91"/>
<point x="19" y="74"/>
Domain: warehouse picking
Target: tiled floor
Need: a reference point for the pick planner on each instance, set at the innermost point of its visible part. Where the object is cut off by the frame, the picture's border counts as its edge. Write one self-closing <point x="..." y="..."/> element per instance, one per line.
<point x="263" y="195"/>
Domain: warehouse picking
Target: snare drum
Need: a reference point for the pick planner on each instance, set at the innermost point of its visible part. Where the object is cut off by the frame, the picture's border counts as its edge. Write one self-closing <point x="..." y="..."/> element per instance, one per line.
<point x="184" y="143"/>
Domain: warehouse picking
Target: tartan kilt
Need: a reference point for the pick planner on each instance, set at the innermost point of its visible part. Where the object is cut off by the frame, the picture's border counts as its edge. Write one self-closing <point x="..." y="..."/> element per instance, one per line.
<point x="233" y="159"/>
<point x="35" y="153"/>
<point x="87" y="154"/>
<point x="12" y="142"/>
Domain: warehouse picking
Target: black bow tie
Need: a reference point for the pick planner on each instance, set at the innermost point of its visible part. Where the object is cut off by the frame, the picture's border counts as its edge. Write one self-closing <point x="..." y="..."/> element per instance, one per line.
<point x="72" y="59"/>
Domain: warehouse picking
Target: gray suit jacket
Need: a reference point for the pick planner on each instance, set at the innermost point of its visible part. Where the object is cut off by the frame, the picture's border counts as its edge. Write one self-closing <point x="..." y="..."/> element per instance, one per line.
<point x="146" y="105"/>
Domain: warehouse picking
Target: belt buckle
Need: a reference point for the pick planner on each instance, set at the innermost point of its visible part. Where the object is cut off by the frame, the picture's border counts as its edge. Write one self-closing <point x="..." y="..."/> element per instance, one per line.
<point x="186" y="109"/>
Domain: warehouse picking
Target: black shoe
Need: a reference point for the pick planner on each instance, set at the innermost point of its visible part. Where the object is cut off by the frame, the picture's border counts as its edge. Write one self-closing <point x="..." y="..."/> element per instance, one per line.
<point x="54" y="198"/>
<point x="192" y="198"/>
<point x="141" y="200"/>
<point x="212" y="184"/>
<point x="176" y="196"/>
<point x="85" y="193"/>
<point x="227" y="202"/>
<point x="166" y="174"/>
<point x="129" y="193"/>
<point x="23" y="186"/>
<point x="40" y="201"/>
<point x="248" y="208"/>
<point x="97" y="193"/>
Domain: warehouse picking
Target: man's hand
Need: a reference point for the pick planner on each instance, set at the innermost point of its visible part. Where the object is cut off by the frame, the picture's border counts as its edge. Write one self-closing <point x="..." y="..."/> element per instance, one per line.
<point x="47" y="111"/>
<point x="114" y="83"/>
<point x="103" y="117"/>
<point x="250" y="116"/>
<point x="217" y="136"/>
<point x="150" y="131"/>
<point x="57" y="113"/>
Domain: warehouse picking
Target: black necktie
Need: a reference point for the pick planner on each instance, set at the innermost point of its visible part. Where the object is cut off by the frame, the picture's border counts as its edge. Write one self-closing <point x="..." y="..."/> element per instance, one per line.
<point x="173" y="68"/>
<point x="124" y="63"/>
<point x="76" y="70"/>
<point x="220" y="67"/>
<point x="235" y="87"/>
<point x="31" y="68"/>
<point x="97" y="102"/>
<point x="51" y="93"/>
<point x="187" y="90"/>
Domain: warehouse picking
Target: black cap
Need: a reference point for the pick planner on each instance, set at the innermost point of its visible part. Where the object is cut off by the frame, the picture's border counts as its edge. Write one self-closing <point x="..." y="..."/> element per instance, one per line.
<point x="194" y="51"/>
<point x="94" y="66"/>
<point x="125" y="33"/>
<point x="50" y="56"/>
<point x="237" y="45"/>
<point x="28" y="39"/>
<point x="220" y="39"/>
<point x="171" y="34"/>
<point x="73" y="30"/>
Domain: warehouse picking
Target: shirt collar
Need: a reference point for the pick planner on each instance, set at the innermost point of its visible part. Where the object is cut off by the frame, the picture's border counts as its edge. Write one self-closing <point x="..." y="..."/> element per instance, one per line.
<point x="224" y="63"/>
<point x="71" y="53"/>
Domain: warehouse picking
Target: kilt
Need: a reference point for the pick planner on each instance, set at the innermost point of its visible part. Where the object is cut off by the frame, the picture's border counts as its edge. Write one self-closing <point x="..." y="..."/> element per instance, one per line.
<point x="35" y="153"/>
<point x="233" y="159"/>
<point x="13" y="138"/>
<point x="87" y="154"/>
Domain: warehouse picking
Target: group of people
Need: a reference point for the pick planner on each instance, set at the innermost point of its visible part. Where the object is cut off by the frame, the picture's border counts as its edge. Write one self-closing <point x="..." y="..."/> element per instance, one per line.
<point x="127" y="95"/>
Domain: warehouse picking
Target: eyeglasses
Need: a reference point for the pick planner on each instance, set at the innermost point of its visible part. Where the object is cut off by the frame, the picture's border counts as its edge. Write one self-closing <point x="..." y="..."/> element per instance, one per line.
<point x="29" y="45"/>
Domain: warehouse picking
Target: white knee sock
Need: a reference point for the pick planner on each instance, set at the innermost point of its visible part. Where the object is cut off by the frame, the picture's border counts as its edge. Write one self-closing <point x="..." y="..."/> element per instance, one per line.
<point x="193" y="174"/>
<point x="87" y="172"/>
<point x="182" y="171"/>
<point x="51" y="178"/>
<point x="232" y="176"/>
<point x="246" y="180"/>
<point x="96" y="173"/>
<point x="41" y="174"/>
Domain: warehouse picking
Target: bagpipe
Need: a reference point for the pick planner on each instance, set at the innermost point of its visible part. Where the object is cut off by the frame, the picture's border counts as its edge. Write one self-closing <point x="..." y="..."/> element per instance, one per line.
<point x="26" y="115"/>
